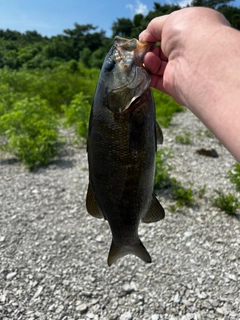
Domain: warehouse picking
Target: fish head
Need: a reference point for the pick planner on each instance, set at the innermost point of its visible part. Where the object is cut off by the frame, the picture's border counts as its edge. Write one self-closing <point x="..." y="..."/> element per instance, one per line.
<point x="123" y="73"/>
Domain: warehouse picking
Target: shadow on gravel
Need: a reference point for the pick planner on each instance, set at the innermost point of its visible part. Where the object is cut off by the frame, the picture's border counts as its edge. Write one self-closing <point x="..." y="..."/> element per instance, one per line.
<point x="8" y="161"/>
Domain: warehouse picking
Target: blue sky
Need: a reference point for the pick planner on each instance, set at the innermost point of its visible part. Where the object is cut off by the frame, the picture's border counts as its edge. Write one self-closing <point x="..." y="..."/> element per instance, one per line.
<point x="51" y="17"/>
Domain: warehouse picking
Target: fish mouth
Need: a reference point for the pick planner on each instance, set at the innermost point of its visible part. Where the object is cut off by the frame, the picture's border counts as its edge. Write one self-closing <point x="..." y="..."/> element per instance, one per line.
<point x="129" y="54"/>
<point x="131" y="50"/>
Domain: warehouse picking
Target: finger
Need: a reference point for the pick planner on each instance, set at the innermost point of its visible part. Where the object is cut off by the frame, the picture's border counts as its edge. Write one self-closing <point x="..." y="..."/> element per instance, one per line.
<point x="154" y="64"/>
<point x="157" y="50"/>
<point x="153" y="32"/>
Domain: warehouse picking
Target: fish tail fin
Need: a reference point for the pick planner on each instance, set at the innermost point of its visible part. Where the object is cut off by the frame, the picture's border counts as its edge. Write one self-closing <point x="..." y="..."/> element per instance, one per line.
<point x="137" y="249"/>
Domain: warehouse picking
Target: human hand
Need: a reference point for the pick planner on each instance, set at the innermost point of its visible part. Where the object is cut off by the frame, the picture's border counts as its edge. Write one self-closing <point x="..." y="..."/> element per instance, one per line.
<point x="187" y="52"/>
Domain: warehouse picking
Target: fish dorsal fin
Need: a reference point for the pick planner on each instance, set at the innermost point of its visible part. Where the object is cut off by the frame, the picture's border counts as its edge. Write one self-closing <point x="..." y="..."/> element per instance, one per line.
<point x="159" y="133"/>
<point x="91" y="204"/>
<point x="137" y="249"/>
<point x="155" y="211"/>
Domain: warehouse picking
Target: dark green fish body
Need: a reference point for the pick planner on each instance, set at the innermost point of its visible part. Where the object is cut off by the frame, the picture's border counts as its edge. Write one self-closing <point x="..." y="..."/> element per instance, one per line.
<point x="121" y="149"/>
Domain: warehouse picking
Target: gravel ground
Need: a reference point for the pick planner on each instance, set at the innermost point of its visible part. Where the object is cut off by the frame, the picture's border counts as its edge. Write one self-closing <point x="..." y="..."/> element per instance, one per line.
<point x="53" y="254"/>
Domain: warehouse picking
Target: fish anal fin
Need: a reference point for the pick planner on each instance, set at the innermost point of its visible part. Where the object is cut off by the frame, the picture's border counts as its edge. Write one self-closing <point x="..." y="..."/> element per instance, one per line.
<point x="159" y="133"/>
<point x="137" y="249"/>
<point x="155" y="212"/>
<point x="91" y="204"/>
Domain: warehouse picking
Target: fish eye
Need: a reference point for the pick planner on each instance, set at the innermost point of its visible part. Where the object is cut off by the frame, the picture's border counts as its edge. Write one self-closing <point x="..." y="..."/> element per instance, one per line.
<point x="109" y="65"/>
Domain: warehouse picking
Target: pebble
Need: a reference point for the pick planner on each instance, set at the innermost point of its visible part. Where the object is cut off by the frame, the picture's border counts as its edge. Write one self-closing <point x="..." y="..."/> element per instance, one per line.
<point x="128" y="288"/>
<point x="126" y="316"/>
<point x="82" y="308"/>
<point x="11" y="275"/>
<point x="177" y="298"/>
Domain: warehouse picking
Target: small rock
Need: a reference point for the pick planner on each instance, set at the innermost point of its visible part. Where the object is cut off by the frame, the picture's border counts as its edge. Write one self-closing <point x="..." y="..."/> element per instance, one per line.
<point x="213" y="262"/>
<point x="155" y="317"/>
<point x="126" y="316"/>
<point x="100" y="238"/>
<point x="82" y="308"/>
<point x="11" y="275"/>
<point x="127" y="288"/>
<point x="59" y="309"/>
<point x="232" y="277"/>
<point x="38" y="292"/>
<point x="222" y="310"/>
<point x="187" y="235"/>
<point x="202" y="295"/>
<point x="188" y="316"/>
<point x="177" y="298"/>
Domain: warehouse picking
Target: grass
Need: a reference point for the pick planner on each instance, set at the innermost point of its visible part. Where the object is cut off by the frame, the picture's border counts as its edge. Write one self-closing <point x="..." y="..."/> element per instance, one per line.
<point x="166" y="107"/>
<point x="162" y="169"/>
<point x="225" y="202"/>
<point x="185" y="138"/>
<point x="183" y="196"/>
<point x="234" y="175"/>
<point x="202" y="191"/>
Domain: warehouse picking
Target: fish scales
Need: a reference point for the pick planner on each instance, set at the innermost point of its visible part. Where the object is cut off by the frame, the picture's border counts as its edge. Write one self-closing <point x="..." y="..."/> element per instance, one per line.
<point x="121" y="150"/>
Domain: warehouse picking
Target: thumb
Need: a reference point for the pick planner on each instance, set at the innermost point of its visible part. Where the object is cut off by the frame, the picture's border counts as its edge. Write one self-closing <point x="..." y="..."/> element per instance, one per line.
<point x="153" y="32"/>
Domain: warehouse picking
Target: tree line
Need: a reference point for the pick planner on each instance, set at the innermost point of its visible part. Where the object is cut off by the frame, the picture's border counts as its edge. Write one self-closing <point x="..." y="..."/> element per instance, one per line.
<point x="85" y="43"/>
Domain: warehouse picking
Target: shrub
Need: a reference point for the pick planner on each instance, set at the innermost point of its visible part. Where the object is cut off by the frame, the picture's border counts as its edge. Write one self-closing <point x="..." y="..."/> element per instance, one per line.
<point x="166" y="107"/>
<point x="77" y="114"/>
<point x="31" y="130"/>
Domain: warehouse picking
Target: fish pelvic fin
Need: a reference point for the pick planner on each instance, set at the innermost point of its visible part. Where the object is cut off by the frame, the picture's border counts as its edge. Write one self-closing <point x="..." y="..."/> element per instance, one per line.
<point x="137" y="249"/>
<point x="155" y="211"/>
<point x="91" y="204"/>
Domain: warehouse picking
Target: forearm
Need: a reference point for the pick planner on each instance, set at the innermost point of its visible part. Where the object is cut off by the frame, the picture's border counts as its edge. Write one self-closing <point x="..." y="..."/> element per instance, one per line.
<point x="213" y="94"/>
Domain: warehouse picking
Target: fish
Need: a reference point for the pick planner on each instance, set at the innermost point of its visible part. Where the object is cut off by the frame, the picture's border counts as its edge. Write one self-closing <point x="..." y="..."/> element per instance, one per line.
<point x="121" y="145"/>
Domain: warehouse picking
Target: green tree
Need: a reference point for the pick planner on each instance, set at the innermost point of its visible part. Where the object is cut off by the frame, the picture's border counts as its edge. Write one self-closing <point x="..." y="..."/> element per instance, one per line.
<point x="122" y="27"/>
<point x="214" y="4"/>
<point x="232" y="14"/>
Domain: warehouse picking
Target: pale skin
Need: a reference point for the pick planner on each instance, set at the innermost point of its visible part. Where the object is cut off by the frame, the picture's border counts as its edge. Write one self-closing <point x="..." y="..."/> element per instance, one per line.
<point x="198" y="64"/>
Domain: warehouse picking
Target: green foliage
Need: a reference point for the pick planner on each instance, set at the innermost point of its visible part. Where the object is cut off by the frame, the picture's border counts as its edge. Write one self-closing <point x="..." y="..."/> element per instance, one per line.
<point x="183" y="196"/>
<point x="122" y="27"/>
<point x="234" y="175"/>
<point x="184" y="138"/>
<point x="228" y="203"/>
<point x="214" y="4"/>
<point x="209" y="134"/>
<point x="77" y="114"/>
<point x="166" y="107"/>
<point x="162" y="169"/>
<point x="58" y="86"/>
<point x="31" y="130"/>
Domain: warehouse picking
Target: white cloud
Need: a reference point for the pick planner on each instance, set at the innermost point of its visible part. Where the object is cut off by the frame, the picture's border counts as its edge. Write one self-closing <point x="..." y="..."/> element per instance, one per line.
<point x="139" y="7"/>
<point x="181" y="3"/>
<point x="184" y="3"/>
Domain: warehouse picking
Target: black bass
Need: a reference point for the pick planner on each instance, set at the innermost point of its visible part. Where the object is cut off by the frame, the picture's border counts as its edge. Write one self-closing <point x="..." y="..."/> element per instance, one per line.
<point x="122" y="142"/>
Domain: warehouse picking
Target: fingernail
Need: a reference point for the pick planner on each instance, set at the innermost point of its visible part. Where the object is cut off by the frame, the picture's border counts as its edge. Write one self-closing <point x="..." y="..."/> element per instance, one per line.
<point x="141" y="34"/>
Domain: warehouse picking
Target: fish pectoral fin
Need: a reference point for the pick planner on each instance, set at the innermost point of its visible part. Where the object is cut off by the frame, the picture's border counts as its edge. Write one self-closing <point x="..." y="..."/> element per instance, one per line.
<point x="155" y="211"/>
<point x="91" y="204"/>
<point x="159" y="133"/>
<point x="137" y="249"/>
